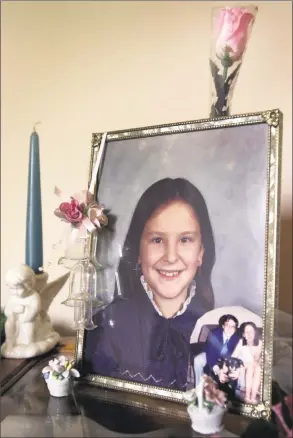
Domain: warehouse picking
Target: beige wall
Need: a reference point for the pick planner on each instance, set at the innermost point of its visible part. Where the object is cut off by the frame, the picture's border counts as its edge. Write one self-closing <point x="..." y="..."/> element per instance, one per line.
<point x="83" y="67"/>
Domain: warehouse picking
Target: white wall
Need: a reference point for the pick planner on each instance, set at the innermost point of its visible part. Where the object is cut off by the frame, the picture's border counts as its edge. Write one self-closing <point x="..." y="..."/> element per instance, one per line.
<point x="81" y="67"/>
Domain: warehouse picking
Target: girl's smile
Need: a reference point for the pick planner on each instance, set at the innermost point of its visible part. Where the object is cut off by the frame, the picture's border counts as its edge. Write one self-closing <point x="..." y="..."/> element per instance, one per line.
<point x="169" y="274"/>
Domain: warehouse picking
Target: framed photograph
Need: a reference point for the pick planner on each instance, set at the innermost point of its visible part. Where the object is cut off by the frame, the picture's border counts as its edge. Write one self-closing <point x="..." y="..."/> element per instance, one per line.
<point x="188" y="264"/>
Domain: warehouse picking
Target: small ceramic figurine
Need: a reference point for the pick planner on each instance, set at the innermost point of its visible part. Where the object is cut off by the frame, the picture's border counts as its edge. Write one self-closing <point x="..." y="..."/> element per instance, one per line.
<point x="58" y="374"/>
<point x="206" y="406"/>
<point x="28" y="331"/>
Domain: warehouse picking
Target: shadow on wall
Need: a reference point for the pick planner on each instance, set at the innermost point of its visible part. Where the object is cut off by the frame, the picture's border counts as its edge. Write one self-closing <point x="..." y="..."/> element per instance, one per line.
<point x="64" y="330"/>
<point x="285" y="271"/>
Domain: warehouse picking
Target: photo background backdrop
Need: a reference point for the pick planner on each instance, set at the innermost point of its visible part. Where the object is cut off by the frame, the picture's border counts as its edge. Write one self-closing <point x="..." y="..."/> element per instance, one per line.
<point x="229" y="167"/>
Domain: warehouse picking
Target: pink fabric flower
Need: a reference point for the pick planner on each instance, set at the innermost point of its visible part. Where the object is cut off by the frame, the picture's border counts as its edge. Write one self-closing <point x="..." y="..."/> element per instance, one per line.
<point x="82" y="211"/>
<point x="231" y="31"/>
<point x="70" y="211"/>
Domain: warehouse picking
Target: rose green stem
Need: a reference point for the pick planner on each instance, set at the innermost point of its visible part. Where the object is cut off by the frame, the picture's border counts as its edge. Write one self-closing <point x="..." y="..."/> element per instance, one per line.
<point x="225" y="74"/>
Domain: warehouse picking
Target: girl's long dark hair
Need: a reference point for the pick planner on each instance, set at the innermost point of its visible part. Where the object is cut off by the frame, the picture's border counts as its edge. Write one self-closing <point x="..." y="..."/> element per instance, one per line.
<point x="158" y="194"/>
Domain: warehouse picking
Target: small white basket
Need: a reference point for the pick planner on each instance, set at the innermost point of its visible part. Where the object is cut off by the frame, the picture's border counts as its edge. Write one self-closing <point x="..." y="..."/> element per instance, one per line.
<point x="205" y="422"/>
<point x="59" y="388"/>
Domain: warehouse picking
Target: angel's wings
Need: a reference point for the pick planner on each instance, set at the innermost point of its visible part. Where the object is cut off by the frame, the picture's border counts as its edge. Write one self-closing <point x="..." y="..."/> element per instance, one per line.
<point x="51" y="290"/>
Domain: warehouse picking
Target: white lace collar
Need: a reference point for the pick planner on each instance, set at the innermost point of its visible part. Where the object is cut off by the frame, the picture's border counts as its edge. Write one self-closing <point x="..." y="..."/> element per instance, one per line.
<point x="192" y="291"/>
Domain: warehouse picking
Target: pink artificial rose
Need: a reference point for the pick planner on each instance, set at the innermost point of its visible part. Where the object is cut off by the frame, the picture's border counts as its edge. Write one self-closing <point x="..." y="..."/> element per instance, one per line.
<point x="231" y="32"/>
<point x="72" y="211"/>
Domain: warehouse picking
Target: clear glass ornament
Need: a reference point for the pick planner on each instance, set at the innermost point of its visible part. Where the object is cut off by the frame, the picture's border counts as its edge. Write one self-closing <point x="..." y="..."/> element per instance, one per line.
<point x="86" y="282"/>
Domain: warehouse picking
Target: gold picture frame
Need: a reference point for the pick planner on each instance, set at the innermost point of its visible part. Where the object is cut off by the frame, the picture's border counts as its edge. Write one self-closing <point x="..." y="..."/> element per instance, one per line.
<point x="271" y="126"/>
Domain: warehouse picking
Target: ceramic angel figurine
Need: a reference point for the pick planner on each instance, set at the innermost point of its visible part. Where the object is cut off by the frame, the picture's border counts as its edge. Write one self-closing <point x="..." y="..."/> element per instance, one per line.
<point x="28" y="331"/>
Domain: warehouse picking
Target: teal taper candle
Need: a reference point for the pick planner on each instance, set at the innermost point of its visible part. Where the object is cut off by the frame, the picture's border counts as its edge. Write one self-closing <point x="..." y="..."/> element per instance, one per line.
<point x="34" y="236"/>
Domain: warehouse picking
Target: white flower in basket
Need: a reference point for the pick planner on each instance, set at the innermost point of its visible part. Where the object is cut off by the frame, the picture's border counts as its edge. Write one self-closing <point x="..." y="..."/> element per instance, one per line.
<point x="206" y="406"/>
<point x="58" y="374"/>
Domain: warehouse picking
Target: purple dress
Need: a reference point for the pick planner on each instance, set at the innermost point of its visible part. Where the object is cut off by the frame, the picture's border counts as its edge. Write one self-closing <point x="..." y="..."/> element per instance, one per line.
<point x="133" y="342"/>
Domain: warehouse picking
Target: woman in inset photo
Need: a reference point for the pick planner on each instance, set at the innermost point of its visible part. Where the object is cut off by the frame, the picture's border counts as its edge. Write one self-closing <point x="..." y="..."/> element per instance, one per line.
<point x="165" y="279"/>
<point x="249" y="350"/>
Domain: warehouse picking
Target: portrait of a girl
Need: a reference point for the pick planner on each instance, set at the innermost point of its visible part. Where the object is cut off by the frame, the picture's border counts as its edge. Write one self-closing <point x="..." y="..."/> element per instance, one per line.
<point x="165" y="277"/>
